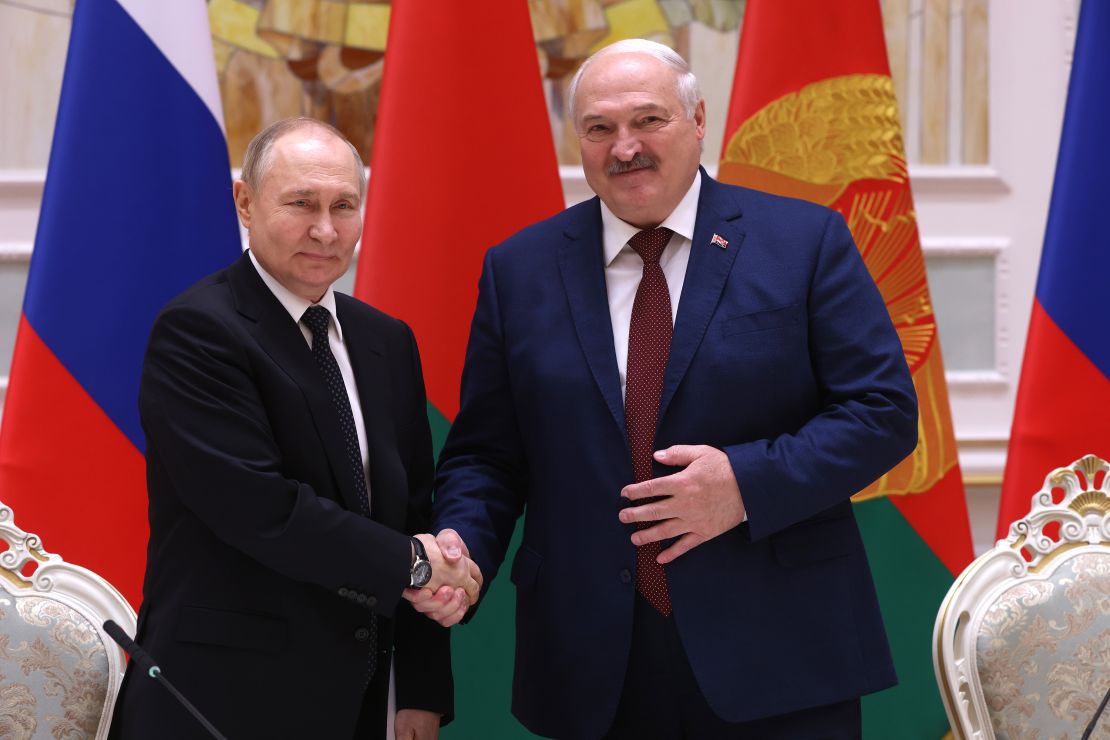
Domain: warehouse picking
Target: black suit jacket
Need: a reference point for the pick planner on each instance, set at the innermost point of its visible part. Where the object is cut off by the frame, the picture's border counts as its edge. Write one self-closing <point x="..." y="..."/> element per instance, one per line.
<point x="260" y="575"/>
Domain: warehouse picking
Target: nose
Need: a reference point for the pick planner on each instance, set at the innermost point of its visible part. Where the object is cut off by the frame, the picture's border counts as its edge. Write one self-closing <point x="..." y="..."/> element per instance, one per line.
<point x="322" y="229"/>
<point x="627" y="144"/>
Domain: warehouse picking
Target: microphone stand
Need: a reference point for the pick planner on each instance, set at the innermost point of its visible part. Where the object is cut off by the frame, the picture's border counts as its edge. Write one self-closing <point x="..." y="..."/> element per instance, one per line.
<point x="1098" y="713"/>
<point x="146" y="663"/>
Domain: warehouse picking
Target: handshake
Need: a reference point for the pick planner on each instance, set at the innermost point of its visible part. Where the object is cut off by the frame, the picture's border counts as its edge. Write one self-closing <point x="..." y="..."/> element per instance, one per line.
<point x="455" y="583"/>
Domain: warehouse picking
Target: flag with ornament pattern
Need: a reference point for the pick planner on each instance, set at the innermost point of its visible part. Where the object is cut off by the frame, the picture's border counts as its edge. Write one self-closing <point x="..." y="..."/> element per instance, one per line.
<point x="813" y="115"/>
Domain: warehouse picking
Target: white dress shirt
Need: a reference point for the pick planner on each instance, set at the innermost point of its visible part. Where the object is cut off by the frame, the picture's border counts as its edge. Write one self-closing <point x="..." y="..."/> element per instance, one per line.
<point x="296" y="306"/>
<point x="624" y="267"/>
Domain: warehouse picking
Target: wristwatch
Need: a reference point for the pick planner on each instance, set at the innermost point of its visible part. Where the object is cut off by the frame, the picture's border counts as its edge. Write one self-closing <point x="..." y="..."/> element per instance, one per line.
<point x="421" y="571"/>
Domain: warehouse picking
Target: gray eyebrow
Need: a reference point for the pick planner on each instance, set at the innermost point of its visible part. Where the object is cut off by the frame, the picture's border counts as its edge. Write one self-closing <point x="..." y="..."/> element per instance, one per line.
<point x="638" y="109"/>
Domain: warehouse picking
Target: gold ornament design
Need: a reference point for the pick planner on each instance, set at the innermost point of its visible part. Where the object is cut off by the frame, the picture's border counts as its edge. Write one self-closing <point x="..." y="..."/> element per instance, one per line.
<point x="838" y="142"/>
<point x="834" y="131"/>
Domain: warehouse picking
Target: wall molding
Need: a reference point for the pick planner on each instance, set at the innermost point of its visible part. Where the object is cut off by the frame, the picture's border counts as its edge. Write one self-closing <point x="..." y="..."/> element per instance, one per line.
<point x="16" y="251"/>
<point x="965" y="246"/>
<point x="23" y="184"/>
<point x="956" y="180"/>
<point x="998" y="248"/>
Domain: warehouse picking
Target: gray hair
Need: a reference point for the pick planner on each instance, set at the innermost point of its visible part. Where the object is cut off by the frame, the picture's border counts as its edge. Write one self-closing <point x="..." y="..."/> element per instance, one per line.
<point x="260" y="152"/>
<point x="686" y="84"/>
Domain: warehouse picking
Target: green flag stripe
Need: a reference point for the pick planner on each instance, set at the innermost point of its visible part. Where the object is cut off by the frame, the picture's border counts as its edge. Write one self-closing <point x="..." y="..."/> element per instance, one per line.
<point x="911" y="582"/>
<point x="482" y="651"/>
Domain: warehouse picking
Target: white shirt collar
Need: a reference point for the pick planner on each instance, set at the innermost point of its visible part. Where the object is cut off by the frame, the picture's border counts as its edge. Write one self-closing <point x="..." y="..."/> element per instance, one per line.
<point x="293" y="303"/>
<point x="616" y="233"/>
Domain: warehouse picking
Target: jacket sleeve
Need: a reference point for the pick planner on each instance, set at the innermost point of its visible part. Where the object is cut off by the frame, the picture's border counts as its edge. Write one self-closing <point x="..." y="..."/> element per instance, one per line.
<point x="867" y="422"/>
<point x="422" y="647"/>
<point x="482" y="479"/>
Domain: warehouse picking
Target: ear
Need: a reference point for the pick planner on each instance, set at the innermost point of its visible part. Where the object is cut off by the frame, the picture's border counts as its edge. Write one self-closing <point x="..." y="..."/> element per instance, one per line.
<point x="244" y="197"/>
<point x="699" y="119"/>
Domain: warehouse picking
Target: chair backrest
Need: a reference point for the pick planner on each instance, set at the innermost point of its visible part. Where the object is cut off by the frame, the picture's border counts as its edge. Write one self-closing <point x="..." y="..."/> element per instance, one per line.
<point x="1022" y="640"/>
<point x="59" y="671"/>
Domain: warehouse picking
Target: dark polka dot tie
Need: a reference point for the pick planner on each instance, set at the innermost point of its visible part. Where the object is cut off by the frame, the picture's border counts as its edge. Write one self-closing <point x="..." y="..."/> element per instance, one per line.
<point x="316" y="318"/>
<point x="649" y="345"/>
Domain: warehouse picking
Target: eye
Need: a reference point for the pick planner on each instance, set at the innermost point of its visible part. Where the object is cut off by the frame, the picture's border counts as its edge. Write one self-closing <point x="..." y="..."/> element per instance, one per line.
<point x="597" y="131"/>
<point x="300" y="203"/>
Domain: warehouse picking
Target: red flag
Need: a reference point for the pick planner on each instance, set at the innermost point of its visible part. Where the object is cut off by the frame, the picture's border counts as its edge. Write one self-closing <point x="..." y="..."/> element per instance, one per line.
<point x="813" y="116"/>
<point x="462" y="158"/>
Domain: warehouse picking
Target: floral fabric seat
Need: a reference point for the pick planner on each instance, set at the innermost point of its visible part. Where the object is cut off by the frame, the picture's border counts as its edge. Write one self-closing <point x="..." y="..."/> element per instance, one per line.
<point x="59" y="671"/>
<point x="1023" y="638"/>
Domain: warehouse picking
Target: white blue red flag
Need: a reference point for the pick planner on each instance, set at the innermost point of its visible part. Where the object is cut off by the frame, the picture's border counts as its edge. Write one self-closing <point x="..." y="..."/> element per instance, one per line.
<point x="137" y="206"/>
<point x="1065" y="378"/>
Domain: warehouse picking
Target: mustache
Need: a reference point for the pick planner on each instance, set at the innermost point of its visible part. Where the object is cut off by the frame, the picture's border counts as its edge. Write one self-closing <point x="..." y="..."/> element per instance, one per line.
<point x="638" y="162"/>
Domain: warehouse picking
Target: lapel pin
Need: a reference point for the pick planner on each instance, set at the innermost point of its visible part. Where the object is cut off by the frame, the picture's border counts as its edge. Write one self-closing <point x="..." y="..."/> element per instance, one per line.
<point x="719" y="241"/>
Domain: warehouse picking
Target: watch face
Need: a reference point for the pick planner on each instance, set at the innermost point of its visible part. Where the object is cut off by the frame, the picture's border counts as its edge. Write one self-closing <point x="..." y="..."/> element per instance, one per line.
<point x="421" y="573"/>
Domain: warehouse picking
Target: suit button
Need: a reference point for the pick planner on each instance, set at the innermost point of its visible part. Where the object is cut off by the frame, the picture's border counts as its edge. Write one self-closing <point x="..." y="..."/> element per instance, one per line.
<point x="344" y="592"/>
<point x="362" y="634"/>
<point x="371" y="602"/>
<point x="626" y="576"/>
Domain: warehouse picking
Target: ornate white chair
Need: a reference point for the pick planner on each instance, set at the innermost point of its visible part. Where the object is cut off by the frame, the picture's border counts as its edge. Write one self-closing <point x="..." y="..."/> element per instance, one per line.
<point x="1022" y="641"/>
<point x="59" y="671"/>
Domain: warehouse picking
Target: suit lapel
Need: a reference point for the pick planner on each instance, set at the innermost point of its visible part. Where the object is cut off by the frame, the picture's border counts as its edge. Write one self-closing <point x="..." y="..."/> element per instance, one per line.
<point x="706" y="275"/>
<point x="583" y="271"/>
<point x="368" y="360"/>
<point x="283" y="341"/>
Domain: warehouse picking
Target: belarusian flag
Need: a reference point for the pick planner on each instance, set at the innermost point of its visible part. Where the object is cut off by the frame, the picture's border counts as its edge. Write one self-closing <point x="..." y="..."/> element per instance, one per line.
<point x="813" y="116"/>
<point x="462" y="159"/>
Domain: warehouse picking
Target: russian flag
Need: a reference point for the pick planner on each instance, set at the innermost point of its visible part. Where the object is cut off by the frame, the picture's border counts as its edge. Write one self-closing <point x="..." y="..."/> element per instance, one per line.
<point x="1065" y="379"/>
<point x="136" y="207"/>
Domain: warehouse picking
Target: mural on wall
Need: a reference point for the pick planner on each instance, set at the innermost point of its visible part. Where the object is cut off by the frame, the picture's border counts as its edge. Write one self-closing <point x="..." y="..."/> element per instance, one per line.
<point x="323" y="58"/>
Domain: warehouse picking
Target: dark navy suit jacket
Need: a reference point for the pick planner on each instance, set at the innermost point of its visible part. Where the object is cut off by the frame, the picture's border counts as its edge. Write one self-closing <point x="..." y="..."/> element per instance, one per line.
<point x="783" y="356"/>
<point x="261" y="577"/>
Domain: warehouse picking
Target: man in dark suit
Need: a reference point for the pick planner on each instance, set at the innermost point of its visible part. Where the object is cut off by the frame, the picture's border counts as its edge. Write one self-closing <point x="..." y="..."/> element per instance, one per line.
<point x="288" y="461"/>
<point x="680" y="384"/>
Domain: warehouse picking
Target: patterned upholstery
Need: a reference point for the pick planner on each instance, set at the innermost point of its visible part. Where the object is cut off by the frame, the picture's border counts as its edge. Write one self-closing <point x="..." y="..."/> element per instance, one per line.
<point x="1023" y="637"/>
<point x="59" y="672"/>
<point x="1044" y="651"/>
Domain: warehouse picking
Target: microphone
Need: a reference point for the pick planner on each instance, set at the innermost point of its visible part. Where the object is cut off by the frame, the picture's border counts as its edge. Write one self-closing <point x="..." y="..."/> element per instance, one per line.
<point x="141" y="657"/>
<point x="146" y="663"/>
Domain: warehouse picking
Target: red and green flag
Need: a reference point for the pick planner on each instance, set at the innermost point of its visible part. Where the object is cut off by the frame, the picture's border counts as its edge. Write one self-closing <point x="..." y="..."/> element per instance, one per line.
<point x="813" y="115"/>
<point x="462" y="158"/>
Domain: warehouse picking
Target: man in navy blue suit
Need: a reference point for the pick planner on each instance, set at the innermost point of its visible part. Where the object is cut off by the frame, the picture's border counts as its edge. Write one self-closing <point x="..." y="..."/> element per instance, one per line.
<point x="680" y="384"/>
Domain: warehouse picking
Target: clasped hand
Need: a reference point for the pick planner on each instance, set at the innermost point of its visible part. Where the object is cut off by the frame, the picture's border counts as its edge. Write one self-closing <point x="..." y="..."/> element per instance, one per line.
<point x="695" y="504"/>
<point x="456" y="579"/>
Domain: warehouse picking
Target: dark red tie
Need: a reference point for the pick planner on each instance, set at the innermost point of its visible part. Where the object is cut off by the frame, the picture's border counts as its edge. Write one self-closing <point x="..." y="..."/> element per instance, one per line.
<point x="649" y="345"/>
